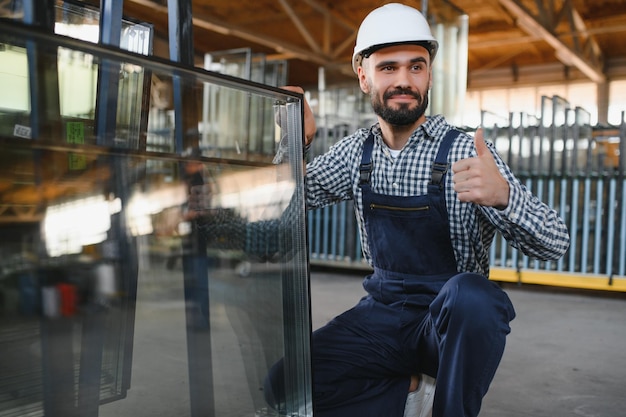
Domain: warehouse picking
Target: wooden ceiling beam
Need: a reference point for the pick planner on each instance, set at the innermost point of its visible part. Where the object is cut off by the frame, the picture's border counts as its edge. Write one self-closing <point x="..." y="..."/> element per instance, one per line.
<point x="310" y="40"/>
<point x="503" y="38"/>
<point x="543" y="24"/>
<point x="332" y="16"/>
<point x="279" y="45"/>
<point x="330" y="21"/>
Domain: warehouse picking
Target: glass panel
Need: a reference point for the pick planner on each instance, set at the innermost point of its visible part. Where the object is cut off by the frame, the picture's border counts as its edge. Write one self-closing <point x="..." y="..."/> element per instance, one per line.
<point x="78" y="75"/>
<point x="254" y="135"/>
<point x="81" y="21"/>
<point x="155" y="276"/>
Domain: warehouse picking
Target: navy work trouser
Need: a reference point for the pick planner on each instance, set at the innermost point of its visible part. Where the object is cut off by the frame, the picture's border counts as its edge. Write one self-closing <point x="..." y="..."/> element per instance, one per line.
<point x="363" y="359"/>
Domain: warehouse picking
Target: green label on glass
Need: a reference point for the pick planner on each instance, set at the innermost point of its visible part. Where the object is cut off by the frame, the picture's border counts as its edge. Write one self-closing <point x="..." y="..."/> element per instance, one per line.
<point x="75" y="133"/>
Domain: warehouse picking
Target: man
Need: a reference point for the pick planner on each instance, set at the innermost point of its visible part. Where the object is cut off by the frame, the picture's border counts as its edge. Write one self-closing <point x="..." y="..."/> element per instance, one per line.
<point x="428" y="200"/>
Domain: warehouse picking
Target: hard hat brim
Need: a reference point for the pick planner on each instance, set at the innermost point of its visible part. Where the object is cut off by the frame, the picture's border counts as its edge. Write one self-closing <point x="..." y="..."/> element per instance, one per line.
<point x="430" y="46"/>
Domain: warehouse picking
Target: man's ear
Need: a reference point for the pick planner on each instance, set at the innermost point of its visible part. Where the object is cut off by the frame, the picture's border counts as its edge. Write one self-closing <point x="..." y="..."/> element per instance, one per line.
<point x="430" y="79"/>
<point x="363" y="80"/>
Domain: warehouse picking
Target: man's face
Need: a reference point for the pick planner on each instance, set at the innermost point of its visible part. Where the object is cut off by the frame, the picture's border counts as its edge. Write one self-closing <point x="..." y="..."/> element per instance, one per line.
<point x="397" y="79"/>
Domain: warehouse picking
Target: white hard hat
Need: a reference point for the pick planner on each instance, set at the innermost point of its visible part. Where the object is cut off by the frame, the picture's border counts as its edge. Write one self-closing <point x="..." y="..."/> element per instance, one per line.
<point x="392" y="24"/>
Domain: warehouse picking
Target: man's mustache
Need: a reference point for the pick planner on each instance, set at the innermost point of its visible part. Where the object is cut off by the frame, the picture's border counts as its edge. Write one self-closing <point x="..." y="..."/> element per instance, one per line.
<point x="402" y="91"/>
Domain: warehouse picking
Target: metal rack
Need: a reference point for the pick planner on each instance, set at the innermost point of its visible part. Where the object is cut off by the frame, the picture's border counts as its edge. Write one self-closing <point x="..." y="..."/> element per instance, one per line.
<point x="576" y="168"/>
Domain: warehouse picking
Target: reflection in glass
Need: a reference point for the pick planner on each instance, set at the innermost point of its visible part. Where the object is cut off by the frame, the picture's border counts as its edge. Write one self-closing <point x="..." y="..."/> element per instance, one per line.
<point x="136" y="280"/>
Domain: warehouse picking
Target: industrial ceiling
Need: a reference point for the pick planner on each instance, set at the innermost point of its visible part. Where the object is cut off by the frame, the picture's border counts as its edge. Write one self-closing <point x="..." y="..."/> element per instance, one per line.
<point x="510" y="41"/>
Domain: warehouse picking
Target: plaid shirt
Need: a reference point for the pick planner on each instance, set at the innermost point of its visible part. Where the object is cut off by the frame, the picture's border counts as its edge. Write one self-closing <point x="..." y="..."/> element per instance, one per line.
<point x="527" y="223"/>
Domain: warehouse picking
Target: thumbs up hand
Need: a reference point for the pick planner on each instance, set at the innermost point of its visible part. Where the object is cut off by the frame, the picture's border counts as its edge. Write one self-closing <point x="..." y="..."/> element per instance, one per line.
<point x="478" y="179"/>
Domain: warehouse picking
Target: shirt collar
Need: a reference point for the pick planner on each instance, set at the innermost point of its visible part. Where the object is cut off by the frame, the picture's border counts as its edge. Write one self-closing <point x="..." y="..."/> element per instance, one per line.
<point x="432" y="126"/>
<point x="427" y="130"/>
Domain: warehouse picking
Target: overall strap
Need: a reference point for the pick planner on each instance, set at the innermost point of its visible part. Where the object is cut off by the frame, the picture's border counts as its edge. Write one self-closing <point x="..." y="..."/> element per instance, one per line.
<point x="441" y="165"/>
<point x="365" y="169"/>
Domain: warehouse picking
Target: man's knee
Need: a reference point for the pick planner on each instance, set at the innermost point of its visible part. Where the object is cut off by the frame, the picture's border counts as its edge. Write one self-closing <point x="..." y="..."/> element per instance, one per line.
<point x="473" y="298"/>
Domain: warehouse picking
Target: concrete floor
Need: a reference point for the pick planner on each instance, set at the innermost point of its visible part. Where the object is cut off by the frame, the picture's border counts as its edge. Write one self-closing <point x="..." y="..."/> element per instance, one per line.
<point x="565" y="356"/>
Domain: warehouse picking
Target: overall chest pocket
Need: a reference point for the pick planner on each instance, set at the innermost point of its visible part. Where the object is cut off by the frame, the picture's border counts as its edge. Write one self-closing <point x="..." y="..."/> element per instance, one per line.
<point x="395" y="210"/>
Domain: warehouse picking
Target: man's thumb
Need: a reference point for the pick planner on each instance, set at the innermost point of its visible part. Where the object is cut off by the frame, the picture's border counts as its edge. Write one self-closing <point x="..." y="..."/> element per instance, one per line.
<point x="479" y="143"/>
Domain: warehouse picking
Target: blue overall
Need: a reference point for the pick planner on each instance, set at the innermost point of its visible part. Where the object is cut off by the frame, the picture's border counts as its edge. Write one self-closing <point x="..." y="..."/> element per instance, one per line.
<point x="420" y="315"/>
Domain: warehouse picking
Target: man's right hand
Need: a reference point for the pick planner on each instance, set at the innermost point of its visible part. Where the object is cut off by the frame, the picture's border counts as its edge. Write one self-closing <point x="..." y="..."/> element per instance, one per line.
<point x="309" y="119"/>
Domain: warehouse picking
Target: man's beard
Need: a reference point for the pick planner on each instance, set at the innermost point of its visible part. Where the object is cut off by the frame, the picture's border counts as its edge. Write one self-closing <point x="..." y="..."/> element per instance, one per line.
<point x="402" y="116"/>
